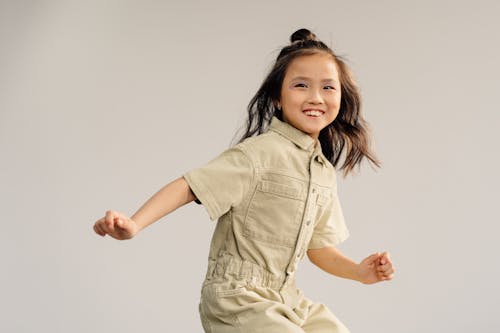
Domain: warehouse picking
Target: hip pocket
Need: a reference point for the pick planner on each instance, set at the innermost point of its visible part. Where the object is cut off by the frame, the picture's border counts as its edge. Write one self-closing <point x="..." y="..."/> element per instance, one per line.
<point x="220" y="293"/>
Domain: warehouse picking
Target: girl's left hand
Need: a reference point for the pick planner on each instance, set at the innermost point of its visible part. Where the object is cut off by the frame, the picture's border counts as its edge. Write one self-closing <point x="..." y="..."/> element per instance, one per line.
<point x="375" y="268"/>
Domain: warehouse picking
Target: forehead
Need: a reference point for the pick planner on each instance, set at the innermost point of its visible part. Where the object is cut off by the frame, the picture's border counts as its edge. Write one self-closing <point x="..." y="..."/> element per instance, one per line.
<point x="319" y="66"/>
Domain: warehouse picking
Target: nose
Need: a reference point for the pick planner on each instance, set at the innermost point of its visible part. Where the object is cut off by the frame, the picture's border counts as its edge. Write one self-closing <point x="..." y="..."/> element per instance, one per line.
<point x="315" y="96"/>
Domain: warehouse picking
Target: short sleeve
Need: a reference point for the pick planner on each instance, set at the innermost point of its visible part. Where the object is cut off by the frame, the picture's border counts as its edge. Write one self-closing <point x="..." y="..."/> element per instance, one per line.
<point x="331" y="228"/>
<point x="223" y="182"/>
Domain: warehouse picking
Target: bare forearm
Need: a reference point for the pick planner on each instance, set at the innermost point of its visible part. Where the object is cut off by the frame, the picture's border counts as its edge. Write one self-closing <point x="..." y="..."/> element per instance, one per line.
<point x="334" y="262"/>
<point x="172" y="196"/>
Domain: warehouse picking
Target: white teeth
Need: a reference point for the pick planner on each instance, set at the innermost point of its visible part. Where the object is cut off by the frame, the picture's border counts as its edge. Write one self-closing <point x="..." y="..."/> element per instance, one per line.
<point x="313" y="113"/>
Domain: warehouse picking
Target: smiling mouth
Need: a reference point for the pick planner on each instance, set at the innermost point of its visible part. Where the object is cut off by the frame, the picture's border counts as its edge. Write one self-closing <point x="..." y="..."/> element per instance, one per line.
<point x="314" y="113"/>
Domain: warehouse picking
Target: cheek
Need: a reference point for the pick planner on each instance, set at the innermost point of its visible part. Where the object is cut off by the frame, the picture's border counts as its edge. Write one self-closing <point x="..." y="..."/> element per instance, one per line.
<point x="339" y="97"/>
<point x="293" y="96"/>
<point x="295" y="100"/>
<point x="334" y="101"/>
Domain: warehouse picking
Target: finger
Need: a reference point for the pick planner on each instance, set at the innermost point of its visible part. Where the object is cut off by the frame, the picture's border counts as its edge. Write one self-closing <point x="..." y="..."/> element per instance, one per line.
<point x="383" y="258"/>
<point x="384" y="267"/>
<point x="100" y="229"/>
<point x="376" y="258"/>
<point x="109" y="216"/>
<point x="102" y="225"/>
<point x="389" y="277"/>
<point x="107" y="227"/>
<point x="384" y="274"/>
<point x="387" y="272"/>
<point x="96" y="230"/>
<point x="103" y="228"/>
<point x="386" y="258"/>
<point x="110" y="223"/>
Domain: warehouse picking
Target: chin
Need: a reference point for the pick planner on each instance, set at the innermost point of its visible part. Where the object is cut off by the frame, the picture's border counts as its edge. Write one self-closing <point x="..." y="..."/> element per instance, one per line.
<point x="315" y="129"/>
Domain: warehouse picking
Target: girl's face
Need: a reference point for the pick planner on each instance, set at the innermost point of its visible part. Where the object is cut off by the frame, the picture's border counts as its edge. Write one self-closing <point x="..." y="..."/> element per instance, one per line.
<point x="310" y="93"/>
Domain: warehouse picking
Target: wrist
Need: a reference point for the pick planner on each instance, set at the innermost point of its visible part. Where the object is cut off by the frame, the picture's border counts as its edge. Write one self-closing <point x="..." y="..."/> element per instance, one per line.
<point x="357" y="273"/>
<point x="137" y="222"/>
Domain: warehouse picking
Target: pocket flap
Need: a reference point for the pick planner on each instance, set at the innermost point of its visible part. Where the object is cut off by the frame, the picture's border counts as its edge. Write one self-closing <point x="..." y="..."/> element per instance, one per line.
<point x="279" y="189"/>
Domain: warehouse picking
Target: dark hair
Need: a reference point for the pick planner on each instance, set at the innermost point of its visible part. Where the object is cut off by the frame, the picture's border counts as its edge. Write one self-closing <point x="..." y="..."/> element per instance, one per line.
<point x="348" y="133"/>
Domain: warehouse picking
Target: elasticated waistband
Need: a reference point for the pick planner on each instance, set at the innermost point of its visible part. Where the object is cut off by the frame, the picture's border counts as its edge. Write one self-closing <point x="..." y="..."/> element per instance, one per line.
<point x="226" y="265"/>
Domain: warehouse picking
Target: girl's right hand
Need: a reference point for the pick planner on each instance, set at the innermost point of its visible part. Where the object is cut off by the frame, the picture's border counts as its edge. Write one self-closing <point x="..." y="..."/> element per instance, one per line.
<point x="116" y="225"/>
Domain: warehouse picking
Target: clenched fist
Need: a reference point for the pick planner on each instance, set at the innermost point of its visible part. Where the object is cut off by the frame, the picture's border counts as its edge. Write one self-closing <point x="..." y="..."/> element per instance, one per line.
<point x="116" y="225"/>
<point x="375" y="268"/>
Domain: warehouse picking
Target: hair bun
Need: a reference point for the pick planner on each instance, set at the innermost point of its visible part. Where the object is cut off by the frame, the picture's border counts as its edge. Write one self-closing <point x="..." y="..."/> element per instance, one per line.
<point x="302" y="35"/>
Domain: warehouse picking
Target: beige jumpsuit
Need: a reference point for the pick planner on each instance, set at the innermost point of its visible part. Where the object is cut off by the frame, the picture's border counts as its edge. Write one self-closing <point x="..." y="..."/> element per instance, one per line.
<point x="274" y="196"/>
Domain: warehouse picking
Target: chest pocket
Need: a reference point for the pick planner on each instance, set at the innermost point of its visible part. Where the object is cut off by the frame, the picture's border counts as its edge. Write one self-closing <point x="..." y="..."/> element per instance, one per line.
<point x="274" y="213"/>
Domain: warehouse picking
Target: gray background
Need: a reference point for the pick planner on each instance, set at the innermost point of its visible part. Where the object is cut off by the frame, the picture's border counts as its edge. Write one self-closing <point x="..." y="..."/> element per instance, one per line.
<point x="104" y="102"/>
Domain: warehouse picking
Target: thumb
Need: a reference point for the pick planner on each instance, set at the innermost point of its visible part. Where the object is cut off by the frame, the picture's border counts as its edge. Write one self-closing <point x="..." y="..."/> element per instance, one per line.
<point x="121" y="223"/>
<point x="372" y="258"/>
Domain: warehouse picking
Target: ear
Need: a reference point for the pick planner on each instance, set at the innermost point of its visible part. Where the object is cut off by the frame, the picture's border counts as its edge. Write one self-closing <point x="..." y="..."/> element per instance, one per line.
<point x="277" y="105"/>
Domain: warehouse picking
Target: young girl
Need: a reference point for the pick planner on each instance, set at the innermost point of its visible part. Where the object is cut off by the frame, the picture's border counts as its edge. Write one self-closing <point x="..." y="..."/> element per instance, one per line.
<point x="274" y="196"/>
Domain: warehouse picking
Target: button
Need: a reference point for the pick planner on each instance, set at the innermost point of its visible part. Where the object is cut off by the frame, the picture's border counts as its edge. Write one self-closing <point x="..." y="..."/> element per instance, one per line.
<point x="308" y="222"/>
<point x="314" y="190"/>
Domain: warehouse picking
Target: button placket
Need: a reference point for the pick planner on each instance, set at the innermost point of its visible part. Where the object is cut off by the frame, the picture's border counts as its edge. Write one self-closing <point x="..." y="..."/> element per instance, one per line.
<point x="313" y="191"/>
<point x="306" y="222"/>
<point x="305" y="230"/>
<point x="308" y="210"/>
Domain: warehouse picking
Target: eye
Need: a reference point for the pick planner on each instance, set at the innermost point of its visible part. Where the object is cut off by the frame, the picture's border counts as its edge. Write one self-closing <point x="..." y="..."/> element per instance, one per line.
<point x="300" y="85"/>
<point x="331" y="87"/>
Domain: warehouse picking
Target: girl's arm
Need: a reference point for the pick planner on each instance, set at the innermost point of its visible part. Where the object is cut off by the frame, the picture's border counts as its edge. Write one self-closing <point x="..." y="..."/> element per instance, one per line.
<point x="374" y="268"/>
<point x="172" y="196"/>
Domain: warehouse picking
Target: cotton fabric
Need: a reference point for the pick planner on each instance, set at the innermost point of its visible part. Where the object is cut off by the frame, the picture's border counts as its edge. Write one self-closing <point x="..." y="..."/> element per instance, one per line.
<point x="274" y="196"/>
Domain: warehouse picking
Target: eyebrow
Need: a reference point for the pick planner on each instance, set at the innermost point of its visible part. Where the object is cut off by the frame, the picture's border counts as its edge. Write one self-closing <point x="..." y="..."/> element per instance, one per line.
<point x="307" y="79"/>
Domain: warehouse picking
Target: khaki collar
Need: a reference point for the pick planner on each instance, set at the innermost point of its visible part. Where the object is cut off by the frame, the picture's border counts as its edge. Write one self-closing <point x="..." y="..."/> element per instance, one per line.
<point x="301" y="139"/>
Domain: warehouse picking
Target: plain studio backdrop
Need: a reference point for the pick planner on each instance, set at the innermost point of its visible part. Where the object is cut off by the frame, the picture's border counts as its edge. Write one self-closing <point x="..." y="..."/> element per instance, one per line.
<point x="104" y="102"/>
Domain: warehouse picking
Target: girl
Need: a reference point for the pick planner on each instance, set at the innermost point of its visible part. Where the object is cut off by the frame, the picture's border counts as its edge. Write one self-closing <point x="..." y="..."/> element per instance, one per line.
<point x="274" y="196"/>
